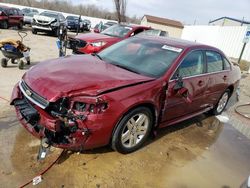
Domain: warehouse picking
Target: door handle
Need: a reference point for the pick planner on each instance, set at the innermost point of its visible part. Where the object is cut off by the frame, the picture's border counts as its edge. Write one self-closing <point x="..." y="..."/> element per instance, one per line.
<point x="224" y="77"/>
<point x="200" y="83"/>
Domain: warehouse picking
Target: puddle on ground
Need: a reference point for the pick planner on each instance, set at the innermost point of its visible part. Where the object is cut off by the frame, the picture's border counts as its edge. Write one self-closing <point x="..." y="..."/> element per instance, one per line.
<point x="201" y="152"/>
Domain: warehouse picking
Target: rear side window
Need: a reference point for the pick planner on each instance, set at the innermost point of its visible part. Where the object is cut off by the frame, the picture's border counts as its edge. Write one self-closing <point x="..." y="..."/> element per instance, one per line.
<point x="192" y="65"/>
<point x="214" y="61"/>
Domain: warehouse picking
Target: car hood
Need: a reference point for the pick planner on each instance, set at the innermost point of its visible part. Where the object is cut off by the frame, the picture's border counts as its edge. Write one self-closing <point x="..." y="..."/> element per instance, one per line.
<point x="78" y="75"/>
<point x="95" y="37"/>
<point x="44" y="18"/>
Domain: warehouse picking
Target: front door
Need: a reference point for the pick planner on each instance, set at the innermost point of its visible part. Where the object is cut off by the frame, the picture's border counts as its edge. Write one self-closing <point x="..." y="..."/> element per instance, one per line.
<point x="191" y="71"/>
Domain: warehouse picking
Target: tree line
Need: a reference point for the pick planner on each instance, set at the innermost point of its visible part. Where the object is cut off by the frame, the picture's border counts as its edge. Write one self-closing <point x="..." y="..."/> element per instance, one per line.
<point x="67" y="6"/>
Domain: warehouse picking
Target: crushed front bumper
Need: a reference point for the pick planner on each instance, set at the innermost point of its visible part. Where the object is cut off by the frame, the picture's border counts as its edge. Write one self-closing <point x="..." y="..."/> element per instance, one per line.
<point x="92" y="132"/>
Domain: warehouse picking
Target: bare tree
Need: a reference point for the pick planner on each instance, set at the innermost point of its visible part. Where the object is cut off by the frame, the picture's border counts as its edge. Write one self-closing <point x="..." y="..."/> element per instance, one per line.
<point x="120" y="7"/>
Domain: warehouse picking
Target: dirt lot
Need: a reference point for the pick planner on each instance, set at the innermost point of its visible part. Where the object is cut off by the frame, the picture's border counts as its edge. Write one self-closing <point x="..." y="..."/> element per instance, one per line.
<point x="201" y="152"/>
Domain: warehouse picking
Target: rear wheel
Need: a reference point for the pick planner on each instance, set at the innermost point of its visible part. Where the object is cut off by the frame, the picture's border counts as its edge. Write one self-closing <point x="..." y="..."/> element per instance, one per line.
<point x="4" y="62"/>
<point x="20" y="26"/>
<point x="133" y="130"/>
<point x="5" y="24"/>
<point x="221" y="105"/>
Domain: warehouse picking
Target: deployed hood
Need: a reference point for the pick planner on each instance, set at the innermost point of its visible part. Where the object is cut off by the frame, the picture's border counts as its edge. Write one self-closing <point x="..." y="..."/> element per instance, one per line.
<point x="46" y="19"/>
<point x="94" y="37"/>
<point x="78" y="75"/>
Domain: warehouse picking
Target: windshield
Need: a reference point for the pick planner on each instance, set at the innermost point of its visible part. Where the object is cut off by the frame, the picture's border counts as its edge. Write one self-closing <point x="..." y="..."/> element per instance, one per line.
<point x="117" y="30"/>
<point x="72" y="18"/>
<point x="49" y="14"/>
<point x="146" y="57"/>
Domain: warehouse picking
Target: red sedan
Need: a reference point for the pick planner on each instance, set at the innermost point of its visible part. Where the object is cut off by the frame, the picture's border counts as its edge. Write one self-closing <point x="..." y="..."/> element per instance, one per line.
<point x="122" y="94"/>
<point x="95" y="42"/>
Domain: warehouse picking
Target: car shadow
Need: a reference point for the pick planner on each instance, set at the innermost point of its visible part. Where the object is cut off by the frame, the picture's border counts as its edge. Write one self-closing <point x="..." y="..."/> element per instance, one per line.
<point x="198" y="121"/>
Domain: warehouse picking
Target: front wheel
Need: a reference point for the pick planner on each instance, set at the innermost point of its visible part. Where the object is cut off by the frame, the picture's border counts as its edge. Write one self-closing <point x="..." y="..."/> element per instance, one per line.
<point x="34" y="31"/>
<point x="4" y="62"/>
<point x="133" y="130"/>
<point x="221" y="105"/>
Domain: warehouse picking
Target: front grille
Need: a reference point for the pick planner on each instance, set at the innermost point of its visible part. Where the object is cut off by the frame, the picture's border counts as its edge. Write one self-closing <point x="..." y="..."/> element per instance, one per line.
<point x="32" y="96"/>
<point x="42" y="22"/>
<point x="28" y="112"/>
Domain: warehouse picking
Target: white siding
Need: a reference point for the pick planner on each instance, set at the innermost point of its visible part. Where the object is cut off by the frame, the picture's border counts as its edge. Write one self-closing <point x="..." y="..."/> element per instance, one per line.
<point x="227" y="38"/>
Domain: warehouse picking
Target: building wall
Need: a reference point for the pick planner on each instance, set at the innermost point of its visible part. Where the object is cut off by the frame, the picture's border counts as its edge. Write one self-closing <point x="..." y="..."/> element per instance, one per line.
<point x="229" y="39"/>
<point x="226" y="22"/>
<point x="172" y="31"/>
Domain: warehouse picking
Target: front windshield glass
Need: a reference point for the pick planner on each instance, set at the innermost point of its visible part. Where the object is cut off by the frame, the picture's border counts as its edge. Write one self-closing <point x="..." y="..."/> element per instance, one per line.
<point x="49" y="14"/>
<point x="117" y="30"/>
<point x="147" y="57"/>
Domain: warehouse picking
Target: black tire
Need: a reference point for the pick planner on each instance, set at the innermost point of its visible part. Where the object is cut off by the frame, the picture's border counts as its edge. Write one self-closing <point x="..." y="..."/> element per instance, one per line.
<point x="20" y="26"/>
<point x="34" y="31"/>
<point x="218" y="110"/>
<point x="116" y="142"/>
<point x="4" y="62"/>
<point x="21" y="64"/>
<point x="5" y="24"/>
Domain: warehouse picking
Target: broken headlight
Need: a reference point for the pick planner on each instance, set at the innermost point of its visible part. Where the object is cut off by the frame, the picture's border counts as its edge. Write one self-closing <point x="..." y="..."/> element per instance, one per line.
<point x="92" y="108"/>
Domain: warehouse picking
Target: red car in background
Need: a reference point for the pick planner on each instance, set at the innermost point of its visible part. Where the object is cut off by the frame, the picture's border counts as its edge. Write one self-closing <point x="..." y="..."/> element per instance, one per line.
<point x="122" y="94"/>
<point x="95" y="42"/>
<point x="10" y="17"/>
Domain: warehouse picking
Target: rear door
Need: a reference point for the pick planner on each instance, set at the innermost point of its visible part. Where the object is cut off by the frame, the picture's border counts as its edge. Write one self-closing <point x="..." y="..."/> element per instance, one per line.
<point x="218" y="70"/>
<point x="11" y="20"/>
<point x="191" y="69"/>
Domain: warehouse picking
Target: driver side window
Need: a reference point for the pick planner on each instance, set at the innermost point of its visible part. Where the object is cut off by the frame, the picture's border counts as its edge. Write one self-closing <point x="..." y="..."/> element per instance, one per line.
<point x="192" y="65"/>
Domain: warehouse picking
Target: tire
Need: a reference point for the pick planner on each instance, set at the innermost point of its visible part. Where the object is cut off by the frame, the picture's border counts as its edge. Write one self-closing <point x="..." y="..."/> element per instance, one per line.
<point x="129" y="135"/>
<point x="5" y="24"/>
<point x="34" y="31"/>
<point x="21" y="64"/>
<point x="20" y="26"/>
<point x="222" y="103"/>
<point x="4" y="62"/>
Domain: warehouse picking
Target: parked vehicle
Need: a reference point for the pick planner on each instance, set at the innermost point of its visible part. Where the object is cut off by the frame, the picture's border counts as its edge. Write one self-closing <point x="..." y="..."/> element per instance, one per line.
<point x="86" y="25"/>
<point x="10" y="17"/>
<point x="95" y="42"/>
<point x="124" y="93"/>
<point x="155" y="32"/>
<point x="74" y="23"/>
<point x="29" y="14"/>
<point x="101" y="27"/>
<point x="49" y="22"/>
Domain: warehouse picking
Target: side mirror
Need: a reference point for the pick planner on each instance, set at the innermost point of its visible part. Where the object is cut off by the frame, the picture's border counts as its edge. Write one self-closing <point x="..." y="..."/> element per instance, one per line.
<point x="180" y="90"/>
<point x="179" y="84"/>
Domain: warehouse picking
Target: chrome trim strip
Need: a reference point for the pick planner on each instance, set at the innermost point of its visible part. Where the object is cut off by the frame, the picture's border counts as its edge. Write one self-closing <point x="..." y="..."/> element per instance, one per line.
<point x="27" y="96"/>
<point x="198" y="75"/>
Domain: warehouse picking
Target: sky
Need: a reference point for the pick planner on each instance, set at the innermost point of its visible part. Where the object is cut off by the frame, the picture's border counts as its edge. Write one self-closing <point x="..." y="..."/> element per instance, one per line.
<point x="186" y="11"/>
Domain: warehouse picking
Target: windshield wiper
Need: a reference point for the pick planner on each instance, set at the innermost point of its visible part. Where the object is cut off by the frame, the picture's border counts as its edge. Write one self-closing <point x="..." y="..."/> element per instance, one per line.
<point x="126" y="68"/>
<point x="96" y="55"/>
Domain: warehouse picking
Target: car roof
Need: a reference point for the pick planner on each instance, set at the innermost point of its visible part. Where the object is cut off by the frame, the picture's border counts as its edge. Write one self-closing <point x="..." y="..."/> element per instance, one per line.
<point x="5" y="7"/>
<point x="134" y="26"/>
<point x="180" y="43"/>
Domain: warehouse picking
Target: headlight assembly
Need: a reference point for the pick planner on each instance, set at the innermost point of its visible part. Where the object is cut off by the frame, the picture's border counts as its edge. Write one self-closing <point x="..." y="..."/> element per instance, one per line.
<point x="98" y="44"/>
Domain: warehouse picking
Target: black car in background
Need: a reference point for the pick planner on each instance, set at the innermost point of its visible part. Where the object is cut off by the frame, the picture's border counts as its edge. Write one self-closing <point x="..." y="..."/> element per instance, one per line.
<point x="86" y="24"/>
<point x="74" y="23"/>
<point x="49" y="22"/>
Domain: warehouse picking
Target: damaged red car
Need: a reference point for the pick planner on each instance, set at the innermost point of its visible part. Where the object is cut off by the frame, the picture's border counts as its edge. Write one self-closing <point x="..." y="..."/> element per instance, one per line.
<point x="124" y="93"/>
